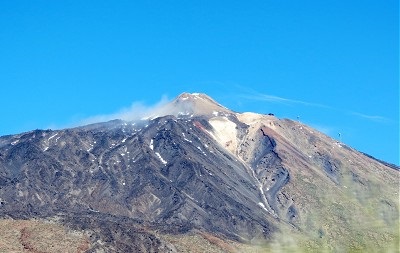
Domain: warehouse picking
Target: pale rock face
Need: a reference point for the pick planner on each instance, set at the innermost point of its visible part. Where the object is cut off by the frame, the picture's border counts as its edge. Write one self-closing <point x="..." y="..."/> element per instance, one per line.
<point x="225" y="133"/>
<point x="249" y="117"/>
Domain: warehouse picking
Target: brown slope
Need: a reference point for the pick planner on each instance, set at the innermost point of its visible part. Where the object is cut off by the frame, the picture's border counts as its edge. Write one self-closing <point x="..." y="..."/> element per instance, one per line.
<point x="337" y="196"/>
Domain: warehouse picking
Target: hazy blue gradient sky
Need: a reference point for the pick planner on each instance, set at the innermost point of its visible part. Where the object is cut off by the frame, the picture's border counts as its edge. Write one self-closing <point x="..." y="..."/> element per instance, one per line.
<point x="333" y="63"/>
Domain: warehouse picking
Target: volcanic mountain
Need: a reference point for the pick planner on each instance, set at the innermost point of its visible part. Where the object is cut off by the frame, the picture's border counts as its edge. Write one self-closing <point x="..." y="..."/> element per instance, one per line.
<point x="194" y="177"/>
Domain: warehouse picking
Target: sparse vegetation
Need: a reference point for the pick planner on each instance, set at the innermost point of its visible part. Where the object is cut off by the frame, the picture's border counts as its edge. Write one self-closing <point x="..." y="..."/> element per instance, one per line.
<point x="39" y="236"/>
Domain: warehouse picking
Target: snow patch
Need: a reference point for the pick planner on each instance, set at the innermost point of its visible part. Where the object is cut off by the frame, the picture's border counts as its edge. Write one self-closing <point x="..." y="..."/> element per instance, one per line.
<point x="338" y="144"/>
<point x="151" y="144"/>
<point x="263" y="207"/>
<point x="199" y="148"/>
<point x="161" y="159"/>
<point x="51" y="137"/>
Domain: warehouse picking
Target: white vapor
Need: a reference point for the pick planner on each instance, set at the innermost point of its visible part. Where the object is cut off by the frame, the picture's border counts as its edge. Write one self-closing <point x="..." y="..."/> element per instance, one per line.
<point x="136" y="111"/>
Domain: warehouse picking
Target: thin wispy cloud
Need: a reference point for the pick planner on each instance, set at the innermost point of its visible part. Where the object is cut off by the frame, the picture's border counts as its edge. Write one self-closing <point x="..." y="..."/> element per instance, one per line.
<point x="375" y="118"/>
<point x="281" y="100"/>
<point x="251" y="94"/>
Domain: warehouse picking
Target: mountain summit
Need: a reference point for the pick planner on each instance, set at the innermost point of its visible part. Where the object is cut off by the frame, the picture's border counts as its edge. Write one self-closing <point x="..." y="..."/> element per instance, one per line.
<point x="190" y="105"/>
<point x="201" y="178"/>
<point x="198" y="104"/>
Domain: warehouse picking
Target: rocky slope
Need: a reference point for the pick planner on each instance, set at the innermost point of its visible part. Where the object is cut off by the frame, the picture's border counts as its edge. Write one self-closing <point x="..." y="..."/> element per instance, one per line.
<point x="197" y="168"/>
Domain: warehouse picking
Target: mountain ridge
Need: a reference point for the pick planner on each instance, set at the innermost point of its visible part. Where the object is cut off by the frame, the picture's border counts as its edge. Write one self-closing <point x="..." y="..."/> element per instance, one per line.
<point x="242" y="177"/>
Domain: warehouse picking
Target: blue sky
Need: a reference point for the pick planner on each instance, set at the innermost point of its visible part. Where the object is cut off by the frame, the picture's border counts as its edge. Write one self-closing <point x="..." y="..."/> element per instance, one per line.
<point x="333" y="63"/>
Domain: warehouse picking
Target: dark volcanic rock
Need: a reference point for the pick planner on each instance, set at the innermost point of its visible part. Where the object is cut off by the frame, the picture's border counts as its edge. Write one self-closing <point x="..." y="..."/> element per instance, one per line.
<point x="204" y="170"/>
<point x="168" y="172"/>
